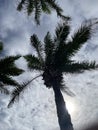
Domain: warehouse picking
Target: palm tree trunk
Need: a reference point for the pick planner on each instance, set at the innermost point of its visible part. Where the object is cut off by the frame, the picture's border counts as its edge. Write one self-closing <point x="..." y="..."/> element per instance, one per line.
<point x="64" y="118"/>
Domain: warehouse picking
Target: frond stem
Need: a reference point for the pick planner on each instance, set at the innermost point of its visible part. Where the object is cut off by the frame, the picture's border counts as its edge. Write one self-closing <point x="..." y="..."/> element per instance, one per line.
<point x="33" y="79"/>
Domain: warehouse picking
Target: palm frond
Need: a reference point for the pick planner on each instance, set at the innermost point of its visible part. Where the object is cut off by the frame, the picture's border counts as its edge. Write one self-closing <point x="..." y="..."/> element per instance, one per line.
<point x="3" y="89"/>
<point x="49" y="49"/>
<point x="16" y="93"/>
<point x="1" y="46"/>
<point x="38" y="46"/>
<point x="10" y="70"/>
<point x="62" y="31"/>
<point x="39" y="6"/>
<point x="45" y="7"/>
<point x="60" y="56"/>
<point x="30" y="6"/>
<point x="8" y="67"/>
<point x="37" y="12"/>
<point x="64" y="18"/>
<point x="78" y="40"/>
<point x="79" y="67"/>
<point x="19" y="89"/>
<point x="53" y="4"/>
<point x="66" y="90"/>
<point x="7" y="80"/>
<point x="49" y="45"/>
<point x="20" y="5"/>
<point x="33" y="62"/>
<point x="9" y="59"/>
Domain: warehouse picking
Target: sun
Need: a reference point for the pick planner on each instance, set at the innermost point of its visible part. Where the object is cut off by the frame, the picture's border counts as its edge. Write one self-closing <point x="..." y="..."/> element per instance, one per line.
<point x="71" y="107"/>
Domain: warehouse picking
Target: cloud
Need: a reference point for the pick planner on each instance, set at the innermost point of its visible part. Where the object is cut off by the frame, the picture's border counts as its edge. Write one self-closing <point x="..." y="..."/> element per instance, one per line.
<point x="88" y="7"/>
<point x="15" y="30"/>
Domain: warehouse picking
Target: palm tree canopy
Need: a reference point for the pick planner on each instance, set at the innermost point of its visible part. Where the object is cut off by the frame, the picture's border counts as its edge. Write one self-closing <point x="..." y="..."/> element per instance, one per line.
<point x="58" y="52"/>
<point x="54" y="55"/>
<point x="7" y="70"/>
<point x="39" y="6"/>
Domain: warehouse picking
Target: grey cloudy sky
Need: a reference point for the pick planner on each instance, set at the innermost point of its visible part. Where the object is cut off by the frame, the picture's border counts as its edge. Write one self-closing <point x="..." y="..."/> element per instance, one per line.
<point x="15" y="31"/>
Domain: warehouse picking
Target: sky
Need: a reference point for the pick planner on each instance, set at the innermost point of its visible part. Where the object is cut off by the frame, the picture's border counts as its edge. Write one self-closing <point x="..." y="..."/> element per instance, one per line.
<point x="36" y="108"/>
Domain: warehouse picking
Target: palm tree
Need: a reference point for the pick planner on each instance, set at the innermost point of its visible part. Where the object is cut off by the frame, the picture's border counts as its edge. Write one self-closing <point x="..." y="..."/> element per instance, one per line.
<point x="39" y="6"/>
<point x="7" y="70"/>
<point x="53" y="59"/>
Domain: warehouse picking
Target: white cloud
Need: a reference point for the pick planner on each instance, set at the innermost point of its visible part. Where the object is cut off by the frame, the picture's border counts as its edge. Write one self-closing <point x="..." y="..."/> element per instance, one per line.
<point x="15" y="30"/>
